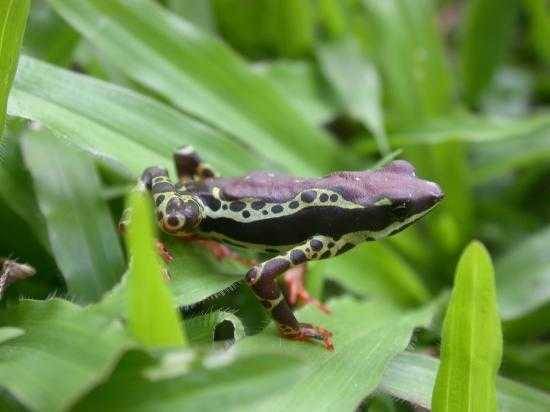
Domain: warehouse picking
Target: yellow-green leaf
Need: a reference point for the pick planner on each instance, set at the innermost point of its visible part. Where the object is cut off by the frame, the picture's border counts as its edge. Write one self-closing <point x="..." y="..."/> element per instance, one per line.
<point x="471" y="339"/>
<point x="151" y="313"/>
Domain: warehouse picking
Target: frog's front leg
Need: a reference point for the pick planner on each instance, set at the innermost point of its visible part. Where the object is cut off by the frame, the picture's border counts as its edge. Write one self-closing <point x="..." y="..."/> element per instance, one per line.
<point x="262" y="280"/>
<point x="190" y="166"/>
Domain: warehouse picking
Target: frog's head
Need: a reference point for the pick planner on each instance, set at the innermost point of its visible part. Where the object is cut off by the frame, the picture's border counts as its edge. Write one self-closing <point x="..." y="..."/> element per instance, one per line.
<point x="178" y="214"/>
<point x="401" y="197"/>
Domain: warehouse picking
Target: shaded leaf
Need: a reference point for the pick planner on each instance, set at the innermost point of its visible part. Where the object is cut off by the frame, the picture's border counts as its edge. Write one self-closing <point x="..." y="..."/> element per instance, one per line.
<point x="151" y="314"/>
<point x="366" y="337"/>
<point x="60" y="357"/>
<point x="411" y="377"/>
<point x="201" y="76"/>
<point x="80" y="228"/>
<point x="471" y="341"/>
<point x="218" y="325"/>
<point x="8" y="333"/>
<point x="13" y="19"/>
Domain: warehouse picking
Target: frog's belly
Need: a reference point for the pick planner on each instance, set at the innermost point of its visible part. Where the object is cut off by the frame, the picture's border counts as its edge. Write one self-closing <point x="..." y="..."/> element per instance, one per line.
<point x="289" y="230"/>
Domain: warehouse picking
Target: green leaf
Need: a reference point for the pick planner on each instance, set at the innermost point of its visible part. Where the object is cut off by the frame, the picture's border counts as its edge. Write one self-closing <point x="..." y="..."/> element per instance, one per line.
<point x="122" y="128"/>
<point x="65" y="351"/>
<point x="199" y="13"/>
<point x="228" y="381"/>
<point x="366" y="337"/>
<point x="8" y="333"/>
<point x="486" y="33"/>
<point x="151" y="315"/>
<point x="13" y="19"/>
<point x="471" y="342"/>
<point x="80" y="228"/>
<point x="219" y="324"/>
<point x="523" y="276"/>
<point x="356" y="81"/>
<point x="201" y="76"/>
<point x="539" y="27"/>
<point x="408" y="52"/>
<point x="411" y="377"/>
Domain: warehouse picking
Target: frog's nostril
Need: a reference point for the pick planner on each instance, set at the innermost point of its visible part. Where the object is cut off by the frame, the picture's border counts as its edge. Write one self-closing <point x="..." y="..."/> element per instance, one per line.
<point x="173" y="221"/>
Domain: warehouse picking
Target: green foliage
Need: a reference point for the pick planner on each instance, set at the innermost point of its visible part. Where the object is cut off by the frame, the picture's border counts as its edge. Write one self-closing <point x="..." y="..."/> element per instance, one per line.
<point x="13" y="19"/>
<point x="471" y="346"/>
<point x="105" y="88"/>
<point x="151" y="314"/>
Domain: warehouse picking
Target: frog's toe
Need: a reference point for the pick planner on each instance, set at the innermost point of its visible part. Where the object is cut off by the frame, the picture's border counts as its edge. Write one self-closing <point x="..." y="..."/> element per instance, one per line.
<point x="308" y="332"/>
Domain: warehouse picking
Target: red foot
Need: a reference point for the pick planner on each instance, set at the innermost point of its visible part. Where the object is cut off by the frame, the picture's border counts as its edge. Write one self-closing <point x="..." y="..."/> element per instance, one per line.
<point x="296" y="291"/>
<point x="164" y="252"/>
<point x="308" y="333"/>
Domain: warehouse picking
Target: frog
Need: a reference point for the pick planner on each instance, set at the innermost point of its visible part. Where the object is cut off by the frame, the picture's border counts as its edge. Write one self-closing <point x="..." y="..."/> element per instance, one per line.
<point x="291" y="220"/>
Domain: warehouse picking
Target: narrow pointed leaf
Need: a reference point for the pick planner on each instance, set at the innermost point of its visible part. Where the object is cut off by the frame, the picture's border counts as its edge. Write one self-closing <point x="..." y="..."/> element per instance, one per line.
<point x="151" y="314"/>
<point x="471" y="346"/>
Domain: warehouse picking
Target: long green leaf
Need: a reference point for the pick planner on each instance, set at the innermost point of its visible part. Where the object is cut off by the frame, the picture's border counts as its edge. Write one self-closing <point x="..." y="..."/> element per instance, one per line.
<point x="356" y="81"/>
<point x="200" y="76"/>
<point x="151" y="314"/>
<point x="411" y="377"/>
<point x="366" y="337"/>
<point x="80" y="228"/>
<point x="487" y="30"/>
<point x="523" y="277"/>
<point x="65" y="351"/>
<point x="118" y="125"/>
<point x="13" y="19"/>
<point x="471" y="346"/>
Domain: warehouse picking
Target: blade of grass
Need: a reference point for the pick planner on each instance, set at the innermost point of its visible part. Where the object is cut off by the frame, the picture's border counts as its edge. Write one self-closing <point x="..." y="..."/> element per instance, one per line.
<point x="80" y="228"/>
<point x="356" y="81"/>
<point x="201" y="76"/>
<point x="411" y="377"/>
<point x="65" y="351"/>
<point x="13" y="19"/>
<point x="151" y="313"/>
<point x="471" y="342"/>
<point x="116" y="124"/>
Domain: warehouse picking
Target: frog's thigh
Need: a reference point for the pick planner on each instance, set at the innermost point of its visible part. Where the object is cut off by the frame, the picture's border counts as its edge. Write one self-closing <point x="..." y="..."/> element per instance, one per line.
<point x="190" y="166"/>
<point x="262" y="278"/>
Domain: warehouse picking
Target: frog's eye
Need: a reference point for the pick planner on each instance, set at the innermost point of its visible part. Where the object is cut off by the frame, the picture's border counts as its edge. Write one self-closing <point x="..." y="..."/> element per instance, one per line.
<point x="401" y="209"/>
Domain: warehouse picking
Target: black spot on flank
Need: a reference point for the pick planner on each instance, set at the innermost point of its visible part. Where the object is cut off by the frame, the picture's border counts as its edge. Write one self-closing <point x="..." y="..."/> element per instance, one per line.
<point x="277" y="209"/>
<point x="246" y="214"/>
<point x="323" y="198"/>
<point x="210" y="201"/>
<point x="224" y="207"/>
<point x="314" y="256"/>
<point x="297" y="257"/>
<point x="316" y="245"/>
<point x="264" y="212"/>
<point x="294" y="204"/>
<point x="333" y="197"/>
<point x="330" y="245"/>
<point x="160" y="215"/>
<point x="257" y="205"/>
<point x="308" y="196"/>
<point x="159" y="200"/>
<point x="345" y="248"/>
<point x="237" y="206"/>
<point x="325" y="255"/>
<point x="163" y="187"/>
<point x="308" y="250"/>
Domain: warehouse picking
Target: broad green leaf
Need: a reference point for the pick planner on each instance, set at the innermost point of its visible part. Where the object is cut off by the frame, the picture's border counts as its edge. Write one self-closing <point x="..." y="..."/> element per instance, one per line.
<point x="13" y="19"/>
<point x="471" y="341"/>
<point x="7" y="333"/>
<point x="228" y="381"/>
<point x="408" y="51"/>
<point x="539" y="27"/>
<point x="200" y="13"/>
<point x="486" y="33"/>
<point x="201" y="76"/>
<point x="529" y="363"/>
<point x="523" y="276"/>
<point x="65" y="351"/>
<point x="80" y="228"/>
<point x="121" y="127"/>
<point x="212" y="326"/>
<point x="375" y="270"/>
<point x="151" y="314"/>
<point x="356" y="81"/>
<point x="411" y="377"/>
<point x="366" y="337"/>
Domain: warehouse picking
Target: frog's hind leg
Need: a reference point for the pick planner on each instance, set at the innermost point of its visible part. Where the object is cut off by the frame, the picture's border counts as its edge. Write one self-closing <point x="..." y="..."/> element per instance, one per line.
<point x="296" y="291"/>
<point x="262" y="280"/>
<point x="190" y="166"/>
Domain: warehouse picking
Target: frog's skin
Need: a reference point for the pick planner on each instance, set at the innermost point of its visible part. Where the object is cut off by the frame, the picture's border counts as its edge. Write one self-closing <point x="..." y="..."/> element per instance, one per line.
<point x="293" y="219"/>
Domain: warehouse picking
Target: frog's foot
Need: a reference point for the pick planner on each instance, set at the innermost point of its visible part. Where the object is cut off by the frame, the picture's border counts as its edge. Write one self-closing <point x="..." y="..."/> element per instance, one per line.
<point x="308" y="333"/>
<point x="11" y="271"/>
<point x="222" y="252"/>
<point x="296" y="291"/>
<point x="164" y="252"/>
